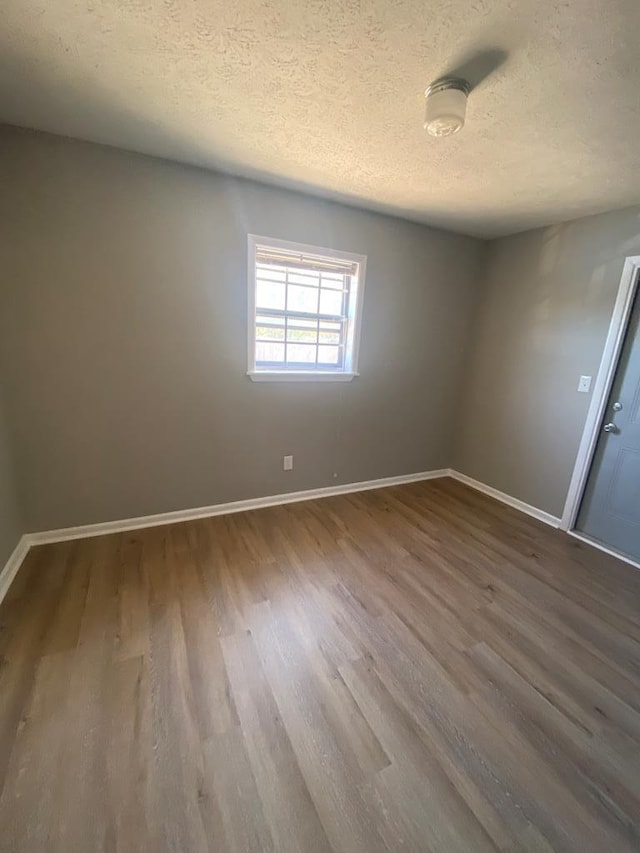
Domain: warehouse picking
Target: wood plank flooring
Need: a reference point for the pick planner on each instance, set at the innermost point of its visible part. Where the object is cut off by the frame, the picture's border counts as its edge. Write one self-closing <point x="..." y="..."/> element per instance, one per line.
<point x="417" y="668"/>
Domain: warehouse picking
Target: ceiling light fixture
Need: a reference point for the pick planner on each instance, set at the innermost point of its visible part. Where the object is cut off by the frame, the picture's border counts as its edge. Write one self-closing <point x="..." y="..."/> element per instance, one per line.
<point x="446" y="105"/>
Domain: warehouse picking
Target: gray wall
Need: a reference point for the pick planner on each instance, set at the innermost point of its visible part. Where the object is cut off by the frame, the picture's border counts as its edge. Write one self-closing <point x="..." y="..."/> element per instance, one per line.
<point x="546" y="304"/>
<point x="11" y="523"/>
<point x="126" y="337"/>
<point x="11" y="516"/>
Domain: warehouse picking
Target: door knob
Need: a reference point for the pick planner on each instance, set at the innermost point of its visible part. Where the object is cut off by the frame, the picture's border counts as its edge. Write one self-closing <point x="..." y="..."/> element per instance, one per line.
<point x="610" y="428"/>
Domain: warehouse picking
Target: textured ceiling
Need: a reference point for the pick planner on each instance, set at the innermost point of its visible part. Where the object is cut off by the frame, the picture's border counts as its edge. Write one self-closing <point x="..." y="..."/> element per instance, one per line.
<point x="327" y="96"/>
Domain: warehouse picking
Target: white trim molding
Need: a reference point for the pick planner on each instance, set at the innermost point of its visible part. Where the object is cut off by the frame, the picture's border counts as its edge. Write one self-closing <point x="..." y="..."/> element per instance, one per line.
<point x="533" y="511"/>
<point x="595" y="544"/>
<point x="86" y="530"/>
<point x="12" y="565"/>
<point x="601" y="389"/>
<point x="299" y="376"/>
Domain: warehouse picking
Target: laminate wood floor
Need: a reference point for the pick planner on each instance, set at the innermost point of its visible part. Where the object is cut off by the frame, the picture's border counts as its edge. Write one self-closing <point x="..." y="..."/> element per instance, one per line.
<point x="414" y="668"/>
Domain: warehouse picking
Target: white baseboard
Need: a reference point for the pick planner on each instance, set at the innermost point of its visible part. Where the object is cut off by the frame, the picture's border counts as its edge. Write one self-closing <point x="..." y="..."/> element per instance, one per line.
<point x="533" y="511"/>
<point x="8" y="573"/>
<point x="595" y="544"/>
<point x="12" y="565"/>
<point x="85" y="531"/>
<point x="122" y="525"/>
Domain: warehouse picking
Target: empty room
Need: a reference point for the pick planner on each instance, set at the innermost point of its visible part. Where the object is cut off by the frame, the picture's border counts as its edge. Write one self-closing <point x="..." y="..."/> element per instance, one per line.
<point x="319" y="426"/>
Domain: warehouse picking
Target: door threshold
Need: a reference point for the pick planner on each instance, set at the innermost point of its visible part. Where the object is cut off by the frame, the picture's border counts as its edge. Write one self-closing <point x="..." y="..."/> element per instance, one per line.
<point x="595" y="544"/>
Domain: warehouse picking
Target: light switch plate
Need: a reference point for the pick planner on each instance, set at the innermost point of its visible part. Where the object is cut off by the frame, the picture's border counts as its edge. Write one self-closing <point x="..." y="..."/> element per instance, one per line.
<point x="584" y="384"/>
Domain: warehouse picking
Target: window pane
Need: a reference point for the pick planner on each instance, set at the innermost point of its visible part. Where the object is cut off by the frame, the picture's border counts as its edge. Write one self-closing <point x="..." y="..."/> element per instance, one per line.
<point x="299" y="323"/>
<point x="270" y="320"/>
<point x="266" y="271"/>
<point x="335" y="281"/>
<point x="299" y="277"/>
<point x="301" y="353"/>
<point x="269" y="352"/>
<point x="330" y="326"/>
<point x="302" y="299"/>
<point x="328" y="355"/>
<point x="270" y="333"/>
<point x="270" y="295"/>
<point x="330" y="302"/>
<point x="309" y="336"/>
<point x="329" y="337"/>
<point x="294" y="287"/>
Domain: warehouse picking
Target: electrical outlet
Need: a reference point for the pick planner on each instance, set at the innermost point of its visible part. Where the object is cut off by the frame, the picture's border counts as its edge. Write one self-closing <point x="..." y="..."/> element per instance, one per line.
<point x="584" y="384"/>
<point x="287" y="463"/>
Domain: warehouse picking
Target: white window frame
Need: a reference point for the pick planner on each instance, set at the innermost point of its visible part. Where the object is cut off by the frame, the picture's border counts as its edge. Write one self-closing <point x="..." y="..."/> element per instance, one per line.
<point x="350" y="369"/>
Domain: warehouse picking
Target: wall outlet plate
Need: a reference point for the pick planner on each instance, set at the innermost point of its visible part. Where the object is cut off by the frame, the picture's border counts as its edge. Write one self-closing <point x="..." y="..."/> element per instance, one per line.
<point x="287" y="463"/>
<point x="584" y="384"/>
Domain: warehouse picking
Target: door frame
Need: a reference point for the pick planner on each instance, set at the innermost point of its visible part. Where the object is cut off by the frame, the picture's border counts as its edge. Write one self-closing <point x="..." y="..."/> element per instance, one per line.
<point x="629" y="283"/>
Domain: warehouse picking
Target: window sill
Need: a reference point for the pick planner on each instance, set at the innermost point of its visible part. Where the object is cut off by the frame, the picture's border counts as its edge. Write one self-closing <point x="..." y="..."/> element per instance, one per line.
<point x="298" y="376"/>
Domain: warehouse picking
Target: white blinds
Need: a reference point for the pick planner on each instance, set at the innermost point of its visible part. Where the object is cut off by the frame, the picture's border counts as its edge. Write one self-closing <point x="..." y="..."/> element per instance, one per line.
<point x="284" y="257"/>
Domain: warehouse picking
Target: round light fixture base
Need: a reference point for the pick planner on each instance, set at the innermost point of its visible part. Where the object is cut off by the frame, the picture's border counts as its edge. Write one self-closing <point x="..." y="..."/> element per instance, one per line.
<point x="446" y="103"/>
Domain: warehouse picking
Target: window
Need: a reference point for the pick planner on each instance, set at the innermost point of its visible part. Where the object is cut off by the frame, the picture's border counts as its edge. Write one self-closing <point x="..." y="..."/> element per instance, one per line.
<point x="304" y="311"/>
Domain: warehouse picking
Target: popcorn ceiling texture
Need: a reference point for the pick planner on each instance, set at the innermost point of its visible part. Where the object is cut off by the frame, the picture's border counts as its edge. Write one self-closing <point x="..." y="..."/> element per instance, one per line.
<point x="327" y="96"/>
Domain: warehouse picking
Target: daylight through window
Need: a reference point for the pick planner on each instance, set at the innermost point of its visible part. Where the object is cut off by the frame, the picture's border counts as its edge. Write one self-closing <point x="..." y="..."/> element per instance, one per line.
<point x="306" y="305"/>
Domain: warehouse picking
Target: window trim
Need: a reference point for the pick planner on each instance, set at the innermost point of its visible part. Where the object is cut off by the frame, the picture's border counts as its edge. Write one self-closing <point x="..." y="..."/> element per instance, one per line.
<point x="355" y="311"/>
